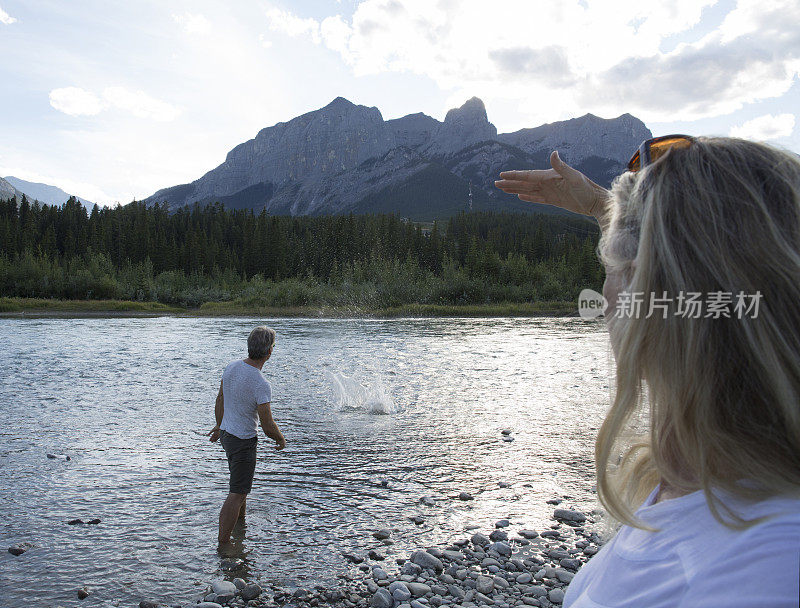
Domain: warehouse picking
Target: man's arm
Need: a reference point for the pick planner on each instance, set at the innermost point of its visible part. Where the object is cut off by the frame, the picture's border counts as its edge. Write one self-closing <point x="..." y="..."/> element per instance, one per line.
<point x="219" y="411"/>
<point x="271" y="429"/>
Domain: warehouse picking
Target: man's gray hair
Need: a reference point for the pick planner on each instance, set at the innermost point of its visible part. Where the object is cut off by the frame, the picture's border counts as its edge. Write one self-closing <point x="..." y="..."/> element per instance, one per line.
<point x="260" y="341"/>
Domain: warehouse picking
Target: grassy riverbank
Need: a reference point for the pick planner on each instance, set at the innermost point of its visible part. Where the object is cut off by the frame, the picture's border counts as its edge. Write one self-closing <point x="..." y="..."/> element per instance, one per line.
<point x="43" y="307"/>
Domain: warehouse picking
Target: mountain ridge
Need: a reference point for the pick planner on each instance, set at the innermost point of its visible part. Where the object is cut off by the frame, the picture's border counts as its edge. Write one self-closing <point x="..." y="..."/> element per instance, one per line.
<point x="337" y="159"/>
<point x="44" y="193"/>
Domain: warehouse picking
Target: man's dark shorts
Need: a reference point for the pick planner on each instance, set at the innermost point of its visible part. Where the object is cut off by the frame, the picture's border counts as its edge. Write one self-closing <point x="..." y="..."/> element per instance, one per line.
<point x="241" y="455"/>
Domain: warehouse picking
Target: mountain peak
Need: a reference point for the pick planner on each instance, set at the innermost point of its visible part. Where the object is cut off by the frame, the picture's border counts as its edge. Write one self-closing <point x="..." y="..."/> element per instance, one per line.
<point x="340" y="102"/>
<point x="473" y="110"/>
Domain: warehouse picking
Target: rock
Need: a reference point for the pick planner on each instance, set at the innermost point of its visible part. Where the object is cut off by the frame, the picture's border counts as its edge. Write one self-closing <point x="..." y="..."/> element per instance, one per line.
<point x="506" y="431"/>
<point x="382" y="599"/>
<point x="411" y="568"/>
<point x="453" y="556"/>
<point x="536" y="590"/>
<point x="524" y="578"/>
<point x="556" y="596"/>
<point x="504" y="484"/>
<point x="501" y="548"/>
<point x="399" y="591"/>
<point x="479" y="540"/>
<point x="379" y="574"/>
<point x="231" y="564"/>
<point x="83" y="593"/>
<point x="484" y="585"/>
<point x="146" y="604"/>
<point x="550" y="534"/>
<point x="417" y="604"/>
<point x="570" y="564"/>
<point x="503" y="523"/>
<point x="501" y="583"/>
<point x="417" y="519"/>
<point x="529" y="601"/>
<point x="353" y="559"/>
<point x="74" y="522"/>
<point x="17" y="550"/>
<point x="378" y="557"/>
<point x="498" y="535"/>
<point x="251" y="592"/>
<point x="508" y="438"/>
<point x="465" y="496"/>
<point x="557" y="554"/>
<point x="565" y="576"/>
<point x="528" y="533"/>
<point x="427" y="501"/>
<point x="300" y="592"/>
<point x="569" y="515"/>
<point x="418" y="589"/>
<point x="554" y="501"/>
<point x="590" y="550"/>
<point x="223" y="587"/>
<point x="240" y="583"/>
<point x="94" y="521"/>
<point x="427" y="561"/>
<point x="206" y="605"/>
<point x="382" y="534"/>
<point x="483" y="599"/>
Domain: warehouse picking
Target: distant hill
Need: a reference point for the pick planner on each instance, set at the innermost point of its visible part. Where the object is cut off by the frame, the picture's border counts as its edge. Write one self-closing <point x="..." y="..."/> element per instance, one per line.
<point x="44" y="193"/>
<point x="346" y="158"/>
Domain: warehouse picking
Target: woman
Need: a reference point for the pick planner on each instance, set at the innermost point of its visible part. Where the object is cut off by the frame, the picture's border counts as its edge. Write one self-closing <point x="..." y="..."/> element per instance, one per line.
<point x="709" y="499"/>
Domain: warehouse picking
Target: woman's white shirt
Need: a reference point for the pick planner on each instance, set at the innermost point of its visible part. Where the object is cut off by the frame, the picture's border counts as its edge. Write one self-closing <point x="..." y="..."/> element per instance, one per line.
<point x="695" y="561"/>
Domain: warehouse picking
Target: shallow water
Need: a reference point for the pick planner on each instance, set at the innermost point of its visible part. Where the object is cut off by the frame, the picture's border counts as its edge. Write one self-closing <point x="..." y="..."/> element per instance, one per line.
<point x="376" y="413"/>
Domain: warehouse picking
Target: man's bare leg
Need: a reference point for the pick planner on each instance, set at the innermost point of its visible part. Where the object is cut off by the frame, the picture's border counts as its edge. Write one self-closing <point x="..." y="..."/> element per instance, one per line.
<point x="242" y="509"/>
<point x="228" y="516"/>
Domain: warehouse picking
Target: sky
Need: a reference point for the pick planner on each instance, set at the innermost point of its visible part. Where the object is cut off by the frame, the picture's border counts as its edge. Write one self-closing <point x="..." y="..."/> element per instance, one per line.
<point x="112" y="100"/>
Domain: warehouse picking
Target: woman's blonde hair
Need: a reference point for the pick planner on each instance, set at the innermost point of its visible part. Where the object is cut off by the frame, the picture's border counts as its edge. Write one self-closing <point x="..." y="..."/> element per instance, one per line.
<point x="722" y="394"/>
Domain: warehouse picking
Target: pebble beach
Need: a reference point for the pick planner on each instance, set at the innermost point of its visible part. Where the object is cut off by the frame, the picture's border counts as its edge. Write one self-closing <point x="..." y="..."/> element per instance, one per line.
<point x="504" y="567"/>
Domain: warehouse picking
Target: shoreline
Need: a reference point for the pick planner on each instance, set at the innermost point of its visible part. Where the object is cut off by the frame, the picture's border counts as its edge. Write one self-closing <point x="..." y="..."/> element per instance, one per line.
<point x="43" y="308"/>
<point x="498" y="568"/>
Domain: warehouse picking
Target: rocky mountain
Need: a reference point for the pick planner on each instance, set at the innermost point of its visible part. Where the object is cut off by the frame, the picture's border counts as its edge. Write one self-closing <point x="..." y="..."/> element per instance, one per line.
<point x="345" y="158"/>
<point x="43" y="193"/>
<point x="8" y="191"/>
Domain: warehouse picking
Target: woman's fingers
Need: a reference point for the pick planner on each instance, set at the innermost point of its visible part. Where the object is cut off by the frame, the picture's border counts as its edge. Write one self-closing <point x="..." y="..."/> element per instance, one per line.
<point x="531" y="198"/>
<point x="509" y="185"/>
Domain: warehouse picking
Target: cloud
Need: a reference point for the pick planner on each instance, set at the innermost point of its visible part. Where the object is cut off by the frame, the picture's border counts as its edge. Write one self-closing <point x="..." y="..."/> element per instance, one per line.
<point x="550" y="64"/>
<point x="5" y="18"/>
<point x="764" y="128"/>
<point x="76" y="101"/>
<point x="288" y="23"/>
<point x="603" y="56"/>
<point x="193" y="24"/>
<point x="140" y="104"/>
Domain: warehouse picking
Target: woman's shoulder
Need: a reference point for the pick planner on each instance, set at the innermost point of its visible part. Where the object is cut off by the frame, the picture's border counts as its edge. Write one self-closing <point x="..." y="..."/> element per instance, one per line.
<point x="766" y="555"/>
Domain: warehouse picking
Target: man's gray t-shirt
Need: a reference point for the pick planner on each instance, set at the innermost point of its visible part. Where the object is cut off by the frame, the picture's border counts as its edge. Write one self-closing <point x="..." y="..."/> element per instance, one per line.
<point x="243" y="389"/>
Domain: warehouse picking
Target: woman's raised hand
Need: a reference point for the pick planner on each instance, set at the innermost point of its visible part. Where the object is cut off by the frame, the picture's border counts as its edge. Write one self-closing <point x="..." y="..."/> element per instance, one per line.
<point x="561" y="186"/>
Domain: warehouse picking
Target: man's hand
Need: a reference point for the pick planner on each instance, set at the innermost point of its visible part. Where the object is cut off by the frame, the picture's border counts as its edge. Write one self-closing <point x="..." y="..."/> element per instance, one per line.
<point x="213" y="434"/>
<point x="280" y="443"/>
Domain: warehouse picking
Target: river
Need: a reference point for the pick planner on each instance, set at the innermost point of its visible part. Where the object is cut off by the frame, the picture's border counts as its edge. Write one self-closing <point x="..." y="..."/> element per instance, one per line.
<point x="377" y="415"/>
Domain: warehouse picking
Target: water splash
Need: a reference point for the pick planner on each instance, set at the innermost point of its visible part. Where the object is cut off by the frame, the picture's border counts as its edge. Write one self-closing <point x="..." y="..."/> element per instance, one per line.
<point x="349" y="395"/>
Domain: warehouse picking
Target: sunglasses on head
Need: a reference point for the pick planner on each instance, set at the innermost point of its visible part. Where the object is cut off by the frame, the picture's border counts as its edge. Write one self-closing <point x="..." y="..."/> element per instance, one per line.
<point x="652" y="149"/>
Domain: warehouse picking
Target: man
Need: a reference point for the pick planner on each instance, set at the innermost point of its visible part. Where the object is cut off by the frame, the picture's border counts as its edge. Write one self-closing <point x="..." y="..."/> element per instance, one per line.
<point x="243" y="400"/>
